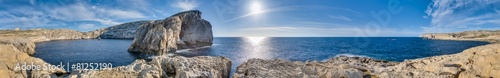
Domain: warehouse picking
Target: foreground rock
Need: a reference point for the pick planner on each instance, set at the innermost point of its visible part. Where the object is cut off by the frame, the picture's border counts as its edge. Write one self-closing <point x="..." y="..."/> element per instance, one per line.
<point x="166" y="66"/>
<point x="182" y="30"/>
<point x="340" y="67"/>
<point x="482" y="61"/>
<point x="16" y="46"/>
<point x="11" y="57"/>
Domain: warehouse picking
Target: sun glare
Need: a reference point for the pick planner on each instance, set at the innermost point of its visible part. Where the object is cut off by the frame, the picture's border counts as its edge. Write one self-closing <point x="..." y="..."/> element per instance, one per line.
<point x="256" y="8"/>
<point x="255" y="40"/>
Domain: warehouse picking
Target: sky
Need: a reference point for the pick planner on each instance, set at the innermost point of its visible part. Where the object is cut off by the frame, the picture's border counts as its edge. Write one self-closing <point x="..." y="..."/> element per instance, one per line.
<point x="265" y="18"/>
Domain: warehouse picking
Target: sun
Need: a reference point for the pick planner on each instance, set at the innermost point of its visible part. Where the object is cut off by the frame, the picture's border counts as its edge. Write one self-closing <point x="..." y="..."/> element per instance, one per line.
<point x="256" y="7"/>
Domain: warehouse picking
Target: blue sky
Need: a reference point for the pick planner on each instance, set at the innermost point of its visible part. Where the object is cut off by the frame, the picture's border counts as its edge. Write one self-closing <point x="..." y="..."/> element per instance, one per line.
<point x="276" y="18"/>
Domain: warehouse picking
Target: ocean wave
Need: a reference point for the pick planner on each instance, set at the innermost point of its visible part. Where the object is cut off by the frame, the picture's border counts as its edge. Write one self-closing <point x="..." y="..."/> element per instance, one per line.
<point x="351" y="55"/>
<point x="345" y="55"/>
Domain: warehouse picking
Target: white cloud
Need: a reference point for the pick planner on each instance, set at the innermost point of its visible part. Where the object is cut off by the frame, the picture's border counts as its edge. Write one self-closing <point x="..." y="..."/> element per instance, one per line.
<point x="125" y="14"/>
<point x="86" y="26"/>
<point x="460" y="15"/>
<point x="33" y="16"/>
<point x="321" y="29"/>
<point x="185" y="4"/>
<point x="340" y="18"/>
<point x="83" y="12"/>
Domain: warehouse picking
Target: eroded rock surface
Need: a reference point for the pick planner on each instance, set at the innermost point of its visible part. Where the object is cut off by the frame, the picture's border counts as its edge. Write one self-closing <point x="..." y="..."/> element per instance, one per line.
<point x="340" y="67"/>
<point x="182" y="30"/>
<point x="482" y="61"/>
<point x="11" y="57"/>
<point x="166" y="66"/>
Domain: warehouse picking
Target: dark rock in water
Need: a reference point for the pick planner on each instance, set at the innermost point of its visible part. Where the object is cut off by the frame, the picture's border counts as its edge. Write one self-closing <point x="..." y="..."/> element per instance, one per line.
<point x="183" y="30"/>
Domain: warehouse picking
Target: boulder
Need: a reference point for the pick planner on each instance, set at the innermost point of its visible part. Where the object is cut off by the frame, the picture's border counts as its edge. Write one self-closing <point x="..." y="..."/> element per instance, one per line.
<point x="182" y="30"/>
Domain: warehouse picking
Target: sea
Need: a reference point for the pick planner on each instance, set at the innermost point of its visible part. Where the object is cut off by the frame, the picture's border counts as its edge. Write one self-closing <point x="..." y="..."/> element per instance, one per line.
<point x="240" y="49"/>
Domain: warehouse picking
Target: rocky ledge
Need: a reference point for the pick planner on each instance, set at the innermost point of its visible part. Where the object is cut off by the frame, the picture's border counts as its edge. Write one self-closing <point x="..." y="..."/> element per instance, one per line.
<point x="165" y="66"/>
<point x="183" y="30"/>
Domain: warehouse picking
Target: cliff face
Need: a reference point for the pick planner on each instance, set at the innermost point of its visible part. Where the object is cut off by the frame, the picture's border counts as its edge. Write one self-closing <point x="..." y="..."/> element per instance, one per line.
<point x="122" y="31"/>
<point x="17" y="46"/>
<point x="183" y="30"/>
<point x="479" y="35"/>
<point x="25" y="40"/>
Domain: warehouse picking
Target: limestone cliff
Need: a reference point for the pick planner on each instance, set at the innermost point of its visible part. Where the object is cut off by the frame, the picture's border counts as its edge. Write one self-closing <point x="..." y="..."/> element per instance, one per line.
<point x="183" y="30"/>
<point x="121" y="31"/>
<point x="25" y="40"/>
<point x="478" y="35"/>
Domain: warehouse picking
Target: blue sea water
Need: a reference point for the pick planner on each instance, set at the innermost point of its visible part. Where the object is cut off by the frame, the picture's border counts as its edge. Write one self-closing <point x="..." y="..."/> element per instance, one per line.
<point x="240" y="49"/>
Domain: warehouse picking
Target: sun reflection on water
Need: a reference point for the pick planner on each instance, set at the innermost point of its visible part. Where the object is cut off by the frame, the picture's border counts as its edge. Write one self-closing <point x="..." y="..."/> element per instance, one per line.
<point x="258" y="48"/>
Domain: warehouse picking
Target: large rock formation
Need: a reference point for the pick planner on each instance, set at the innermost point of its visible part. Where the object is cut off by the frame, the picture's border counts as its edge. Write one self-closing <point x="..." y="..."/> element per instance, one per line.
<point x="182" y="30"/>
<point x="122" y="31"/>
<point x="166" y="66"/>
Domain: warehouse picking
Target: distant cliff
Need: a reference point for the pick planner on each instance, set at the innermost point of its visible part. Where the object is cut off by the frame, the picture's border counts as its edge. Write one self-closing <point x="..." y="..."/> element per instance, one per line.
<point x="123" y="31"/>
<point x="182" y="30"/>
<point x="25" y="40"/>
<point x="478" y="35"/>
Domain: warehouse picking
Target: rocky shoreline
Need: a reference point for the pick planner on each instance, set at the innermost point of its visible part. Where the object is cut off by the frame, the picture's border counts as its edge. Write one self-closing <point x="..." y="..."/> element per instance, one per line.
<point x="17" y="46"/>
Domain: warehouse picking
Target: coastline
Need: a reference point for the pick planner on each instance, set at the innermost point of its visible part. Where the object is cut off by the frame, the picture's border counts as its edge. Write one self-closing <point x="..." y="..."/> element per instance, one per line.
<point x="479" y="61"/>
<point x="463" y="64"/>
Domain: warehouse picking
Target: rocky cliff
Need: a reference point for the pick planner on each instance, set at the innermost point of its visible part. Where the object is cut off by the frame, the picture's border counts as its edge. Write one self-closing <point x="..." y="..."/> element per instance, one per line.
<point x="25" y="40"/>
<point x="183" y="30"/>
<point x="478" y="35"/>
<point x="17" y="46"/>
<point x="121" y="31"/>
